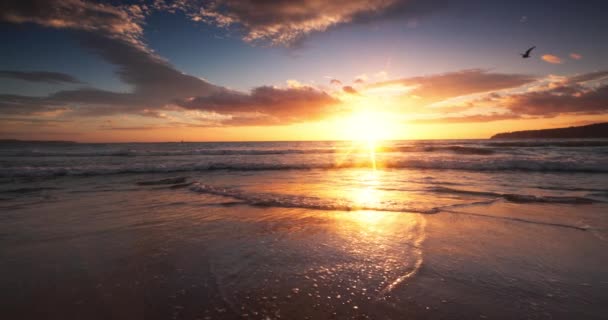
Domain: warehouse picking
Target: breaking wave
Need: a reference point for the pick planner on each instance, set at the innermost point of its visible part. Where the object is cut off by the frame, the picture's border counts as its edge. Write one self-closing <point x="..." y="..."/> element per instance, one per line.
<point x="518" y="198"/>
<point x="548" y="143"/>
<point x="525" y="165"/>
<point x="306" y="202"/>
<point x="464" y="150"/>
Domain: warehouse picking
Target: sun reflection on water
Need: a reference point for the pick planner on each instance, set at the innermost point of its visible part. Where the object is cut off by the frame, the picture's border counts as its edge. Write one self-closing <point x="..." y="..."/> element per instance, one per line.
<point x="392" y="240"/>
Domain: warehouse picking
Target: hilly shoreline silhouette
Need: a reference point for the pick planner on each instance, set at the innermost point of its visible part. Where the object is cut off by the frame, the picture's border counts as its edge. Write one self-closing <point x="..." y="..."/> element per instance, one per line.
<point x="597" y="130"/>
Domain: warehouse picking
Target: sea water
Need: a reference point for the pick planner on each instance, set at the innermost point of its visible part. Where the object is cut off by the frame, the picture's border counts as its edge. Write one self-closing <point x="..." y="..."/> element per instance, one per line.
<point x="297" y="230"/>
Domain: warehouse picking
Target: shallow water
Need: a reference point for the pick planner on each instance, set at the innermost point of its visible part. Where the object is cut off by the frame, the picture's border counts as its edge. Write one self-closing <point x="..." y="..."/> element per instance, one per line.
<point x="305" y="230"/>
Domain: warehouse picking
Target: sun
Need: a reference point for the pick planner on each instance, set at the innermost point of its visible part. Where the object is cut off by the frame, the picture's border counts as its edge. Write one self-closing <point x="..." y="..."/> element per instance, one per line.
<point x="366" y="129"/>
<point x="368" y="126"/>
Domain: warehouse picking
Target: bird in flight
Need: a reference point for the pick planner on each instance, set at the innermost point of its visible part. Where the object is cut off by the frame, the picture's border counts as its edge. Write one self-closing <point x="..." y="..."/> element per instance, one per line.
<point x="527" y="54"/>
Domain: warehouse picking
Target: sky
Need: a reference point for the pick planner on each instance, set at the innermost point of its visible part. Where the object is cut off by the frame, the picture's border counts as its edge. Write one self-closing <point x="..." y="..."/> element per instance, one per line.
<point x="230" y="70"/>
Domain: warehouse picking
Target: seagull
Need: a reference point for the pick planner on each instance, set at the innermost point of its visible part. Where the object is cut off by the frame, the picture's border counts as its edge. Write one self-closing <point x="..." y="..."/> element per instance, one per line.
<point x="527" y="54"/>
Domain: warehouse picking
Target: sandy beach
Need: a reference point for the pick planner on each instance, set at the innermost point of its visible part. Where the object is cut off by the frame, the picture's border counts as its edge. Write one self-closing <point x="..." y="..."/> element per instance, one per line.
<point x="81" y="247"/>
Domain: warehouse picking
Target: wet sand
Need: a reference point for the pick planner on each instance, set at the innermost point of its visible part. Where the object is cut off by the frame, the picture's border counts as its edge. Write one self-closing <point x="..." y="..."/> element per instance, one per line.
<point x="169" y="254"/>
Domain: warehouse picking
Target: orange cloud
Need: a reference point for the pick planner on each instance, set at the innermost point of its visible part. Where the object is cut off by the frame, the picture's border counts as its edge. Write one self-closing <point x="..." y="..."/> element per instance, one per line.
<point x="438" y="87"/>
<point x="349" y="89"/>
<point x="471" y="118"/>
<point x="576" y="56"/>
<point x="265" y="105"/>
<point x="551" y="59"/>
<point x="574" y="95"/>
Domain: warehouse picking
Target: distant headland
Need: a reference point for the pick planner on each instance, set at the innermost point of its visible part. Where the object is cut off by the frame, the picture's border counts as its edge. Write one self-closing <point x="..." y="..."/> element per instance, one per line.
<point x="597" y="130"/>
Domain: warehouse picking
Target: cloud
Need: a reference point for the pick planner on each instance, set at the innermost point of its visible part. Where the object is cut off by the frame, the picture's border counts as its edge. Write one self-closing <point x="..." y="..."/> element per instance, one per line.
<point x="438" y="87"/>
<point x="578" y="94"/>
<point x="350" y="90"/>
<point x="39" y="76"/>
<point x="279" y="22"/>
<point x="123" y="22"/>
<point x="576" y="56"/>
<point x="470" y="118"/>
<point x="382" y="75"/>
<point x="335" y="82"/>
<point x="560" y="100"/>
<point x="23" y="105"/>
<point x="34" y="121"/>
<point x="115" y="34"/>
<point x="551" y="59"/>
<point x="585" y="77"/>
<point x="264" y="105"/>
<point x="136" y="128"/>
<point x="283" y="22"/>
<point x="156" y="85"/>
<point x="583" y="94"/>
<point x="152" y="77"/>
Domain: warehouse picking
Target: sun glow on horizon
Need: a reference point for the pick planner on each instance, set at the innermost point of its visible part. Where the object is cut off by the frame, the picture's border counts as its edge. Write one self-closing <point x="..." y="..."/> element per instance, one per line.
<point x="366" y="126"/>
<point x="366" y="130"/>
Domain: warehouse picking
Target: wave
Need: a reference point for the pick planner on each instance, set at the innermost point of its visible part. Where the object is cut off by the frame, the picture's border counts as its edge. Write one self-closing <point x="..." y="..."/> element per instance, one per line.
<point x="545" y="143"/>
<point x="253" y="152"/>
<point x="562" y="188"/>
<point x="150" y="153"/>
<point x="176" y="180"/>
<point x="426" y="164"/>
<point x="315" y="203"/>
<point x="305" y="202"/>
<point x="477" y="147"/>
<point x="516" y="219"/>
<point x="28" y="190"/>
<point x="459" y="150"/>
<point x="518" y="198"/>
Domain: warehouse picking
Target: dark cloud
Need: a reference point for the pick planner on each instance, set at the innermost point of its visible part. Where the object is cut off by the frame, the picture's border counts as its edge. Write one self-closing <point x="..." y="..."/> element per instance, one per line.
<point x="454" y="84"/>
<point x="33" y="120"/>
<point x="335" y="82"/>
<point x="349" y="89"/>
<point x="150" y="75"/>
<point x="279" y="22"/>
<point x="588" y="76"/>
<point x="560" y="100"/>
<point x="37" y="122"/>
<point x="122" y="22"/>
<point x="11" y="104"/>
<point x="39" y="76"/>
<point x="155" y="83"/>
<point x="283" y="22"/>
<point x="579" y="94"/>
<point x="359" y="81"/>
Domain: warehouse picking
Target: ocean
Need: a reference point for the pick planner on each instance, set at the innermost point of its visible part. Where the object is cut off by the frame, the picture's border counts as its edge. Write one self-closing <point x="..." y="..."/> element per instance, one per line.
<point x="451" y="229"/>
